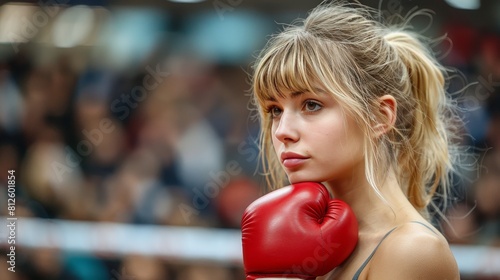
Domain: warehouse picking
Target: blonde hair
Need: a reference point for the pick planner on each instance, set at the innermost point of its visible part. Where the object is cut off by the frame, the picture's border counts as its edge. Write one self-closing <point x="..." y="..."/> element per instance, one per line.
<point x="347" y="53"/>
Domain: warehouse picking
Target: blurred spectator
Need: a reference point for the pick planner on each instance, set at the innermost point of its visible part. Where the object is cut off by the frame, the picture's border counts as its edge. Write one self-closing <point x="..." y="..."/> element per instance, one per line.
<point x="45" y="263"/>
<point x="11" y="103"/>
<point x="5" y="274"/>
<point x="48" y="176"/>
<point x="478" y="222"/>
<point x="493" y="125"/>
<point x="460" y="225"/>
<point x="233" y="200"/>
<point x="143" y="268"/>
<point x="201" y="271"/>
<point x="487" y="194"/>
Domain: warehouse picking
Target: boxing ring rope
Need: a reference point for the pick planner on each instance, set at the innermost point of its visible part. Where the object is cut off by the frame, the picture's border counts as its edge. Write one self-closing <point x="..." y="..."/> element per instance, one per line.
<point x="180" y="243"/>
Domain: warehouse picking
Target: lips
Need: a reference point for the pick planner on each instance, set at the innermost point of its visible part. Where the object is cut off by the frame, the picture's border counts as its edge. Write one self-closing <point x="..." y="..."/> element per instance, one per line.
<point x="292" y="160"/>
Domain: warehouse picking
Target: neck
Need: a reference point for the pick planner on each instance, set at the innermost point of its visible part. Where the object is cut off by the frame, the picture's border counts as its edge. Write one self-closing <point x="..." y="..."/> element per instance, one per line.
<point x="373" y="212"/>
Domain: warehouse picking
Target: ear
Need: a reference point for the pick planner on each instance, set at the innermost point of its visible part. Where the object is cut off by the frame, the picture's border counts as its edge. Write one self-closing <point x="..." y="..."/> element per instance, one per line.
<point x="387" y="107"/>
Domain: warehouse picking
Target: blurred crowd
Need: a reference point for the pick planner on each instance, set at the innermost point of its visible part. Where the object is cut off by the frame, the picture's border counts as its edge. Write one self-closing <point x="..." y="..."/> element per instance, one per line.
<point x="86" y="147"/>
<point x="92" y="143"/>
<point x="474" y="215"/>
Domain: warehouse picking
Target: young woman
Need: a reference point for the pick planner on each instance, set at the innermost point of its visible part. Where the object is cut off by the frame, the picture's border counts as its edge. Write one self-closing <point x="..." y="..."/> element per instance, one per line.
<point x="362" y="109"/>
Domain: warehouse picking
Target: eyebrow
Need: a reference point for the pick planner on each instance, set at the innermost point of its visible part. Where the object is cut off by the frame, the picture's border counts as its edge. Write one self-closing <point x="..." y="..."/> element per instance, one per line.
<point x="297" y="94"/>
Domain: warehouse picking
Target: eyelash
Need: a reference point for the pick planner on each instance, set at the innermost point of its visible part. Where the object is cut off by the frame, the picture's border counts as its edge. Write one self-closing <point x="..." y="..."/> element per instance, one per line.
<point x="269" y="110"/>
<point x="317" y="105"/>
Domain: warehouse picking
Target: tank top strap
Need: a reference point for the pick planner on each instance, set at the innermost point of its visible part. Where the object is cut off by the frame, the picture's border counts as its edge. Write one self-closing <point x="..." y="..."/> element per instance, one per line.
<point x="358" y="272"/>
<point x="356" y="275"/>
<point x="428" y="227"/>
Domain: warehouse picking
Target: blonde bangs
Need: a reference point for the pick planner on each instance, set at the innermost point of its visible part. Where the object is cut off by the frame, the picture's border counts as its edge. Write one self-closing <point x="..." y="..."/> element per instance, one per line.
<point x="290" y="64"/>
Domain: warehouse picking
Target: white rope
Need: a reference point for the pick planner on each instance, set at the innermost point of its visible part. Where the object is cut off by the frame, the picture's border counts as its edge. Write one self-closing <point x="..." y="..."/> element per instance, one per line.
<point x="182" y="243"/>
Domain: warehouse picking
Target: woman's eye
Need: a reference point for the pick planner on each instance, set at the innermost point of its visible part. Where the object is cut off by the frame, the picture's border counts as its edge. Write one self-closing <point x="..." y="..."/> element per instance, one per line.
<point x="274" y="111"/>
<point x="312" y="106"/>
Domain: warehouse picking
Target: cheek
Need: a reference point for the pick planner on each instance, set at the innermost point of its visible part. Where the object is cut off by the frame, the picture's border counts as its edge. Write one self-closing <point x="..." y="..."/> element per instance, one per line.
<point x="340" y="140"/>
<point x="332" y="134"/>
<point x="272" y="134"/>
<point x="275" y="143"/>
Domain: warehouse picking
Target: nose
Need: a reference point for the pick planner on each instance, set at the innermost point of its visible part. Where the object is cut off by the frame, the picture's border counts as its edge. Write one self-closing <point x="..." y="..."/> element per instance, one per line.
<point x="286" y="130"/>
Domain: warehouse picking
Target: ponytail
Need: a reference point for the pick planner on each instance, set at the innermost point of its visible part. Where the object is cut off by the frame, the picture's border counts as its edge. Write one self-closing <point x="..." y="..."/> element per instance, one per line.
<point x="425" y="162"/>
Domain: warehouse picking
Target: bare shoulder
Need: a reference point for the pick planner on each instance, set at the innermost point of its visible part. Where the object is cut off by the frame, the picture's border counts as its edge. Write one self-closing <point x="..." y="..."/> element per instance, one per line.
<point x="413" y="251"/>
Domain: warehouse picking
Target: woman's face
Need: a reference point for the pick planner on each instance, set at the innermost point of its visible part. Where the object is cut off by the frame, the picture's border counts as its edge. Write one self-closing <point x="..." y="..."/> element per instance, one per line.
<point x="313" y="137"/>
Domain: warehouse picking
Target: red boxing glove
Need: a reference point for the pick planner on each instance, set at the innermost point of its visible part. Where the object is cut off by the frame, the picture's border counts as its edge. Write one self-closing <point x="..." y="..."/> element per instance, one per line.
<point x="297" y="232"/>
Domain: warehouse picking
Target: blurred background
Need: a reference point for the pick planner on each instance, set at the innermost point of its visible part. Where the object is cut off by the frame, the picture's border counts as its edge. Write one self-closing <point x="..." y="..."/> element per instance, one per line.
<point x="127" y="124"/>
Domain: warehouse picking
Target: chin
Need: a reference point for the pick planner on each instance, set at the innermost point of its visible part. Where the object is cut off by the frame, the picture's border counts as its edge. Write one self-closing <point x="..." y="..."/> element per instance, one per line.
<point x="297" y="177"/>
